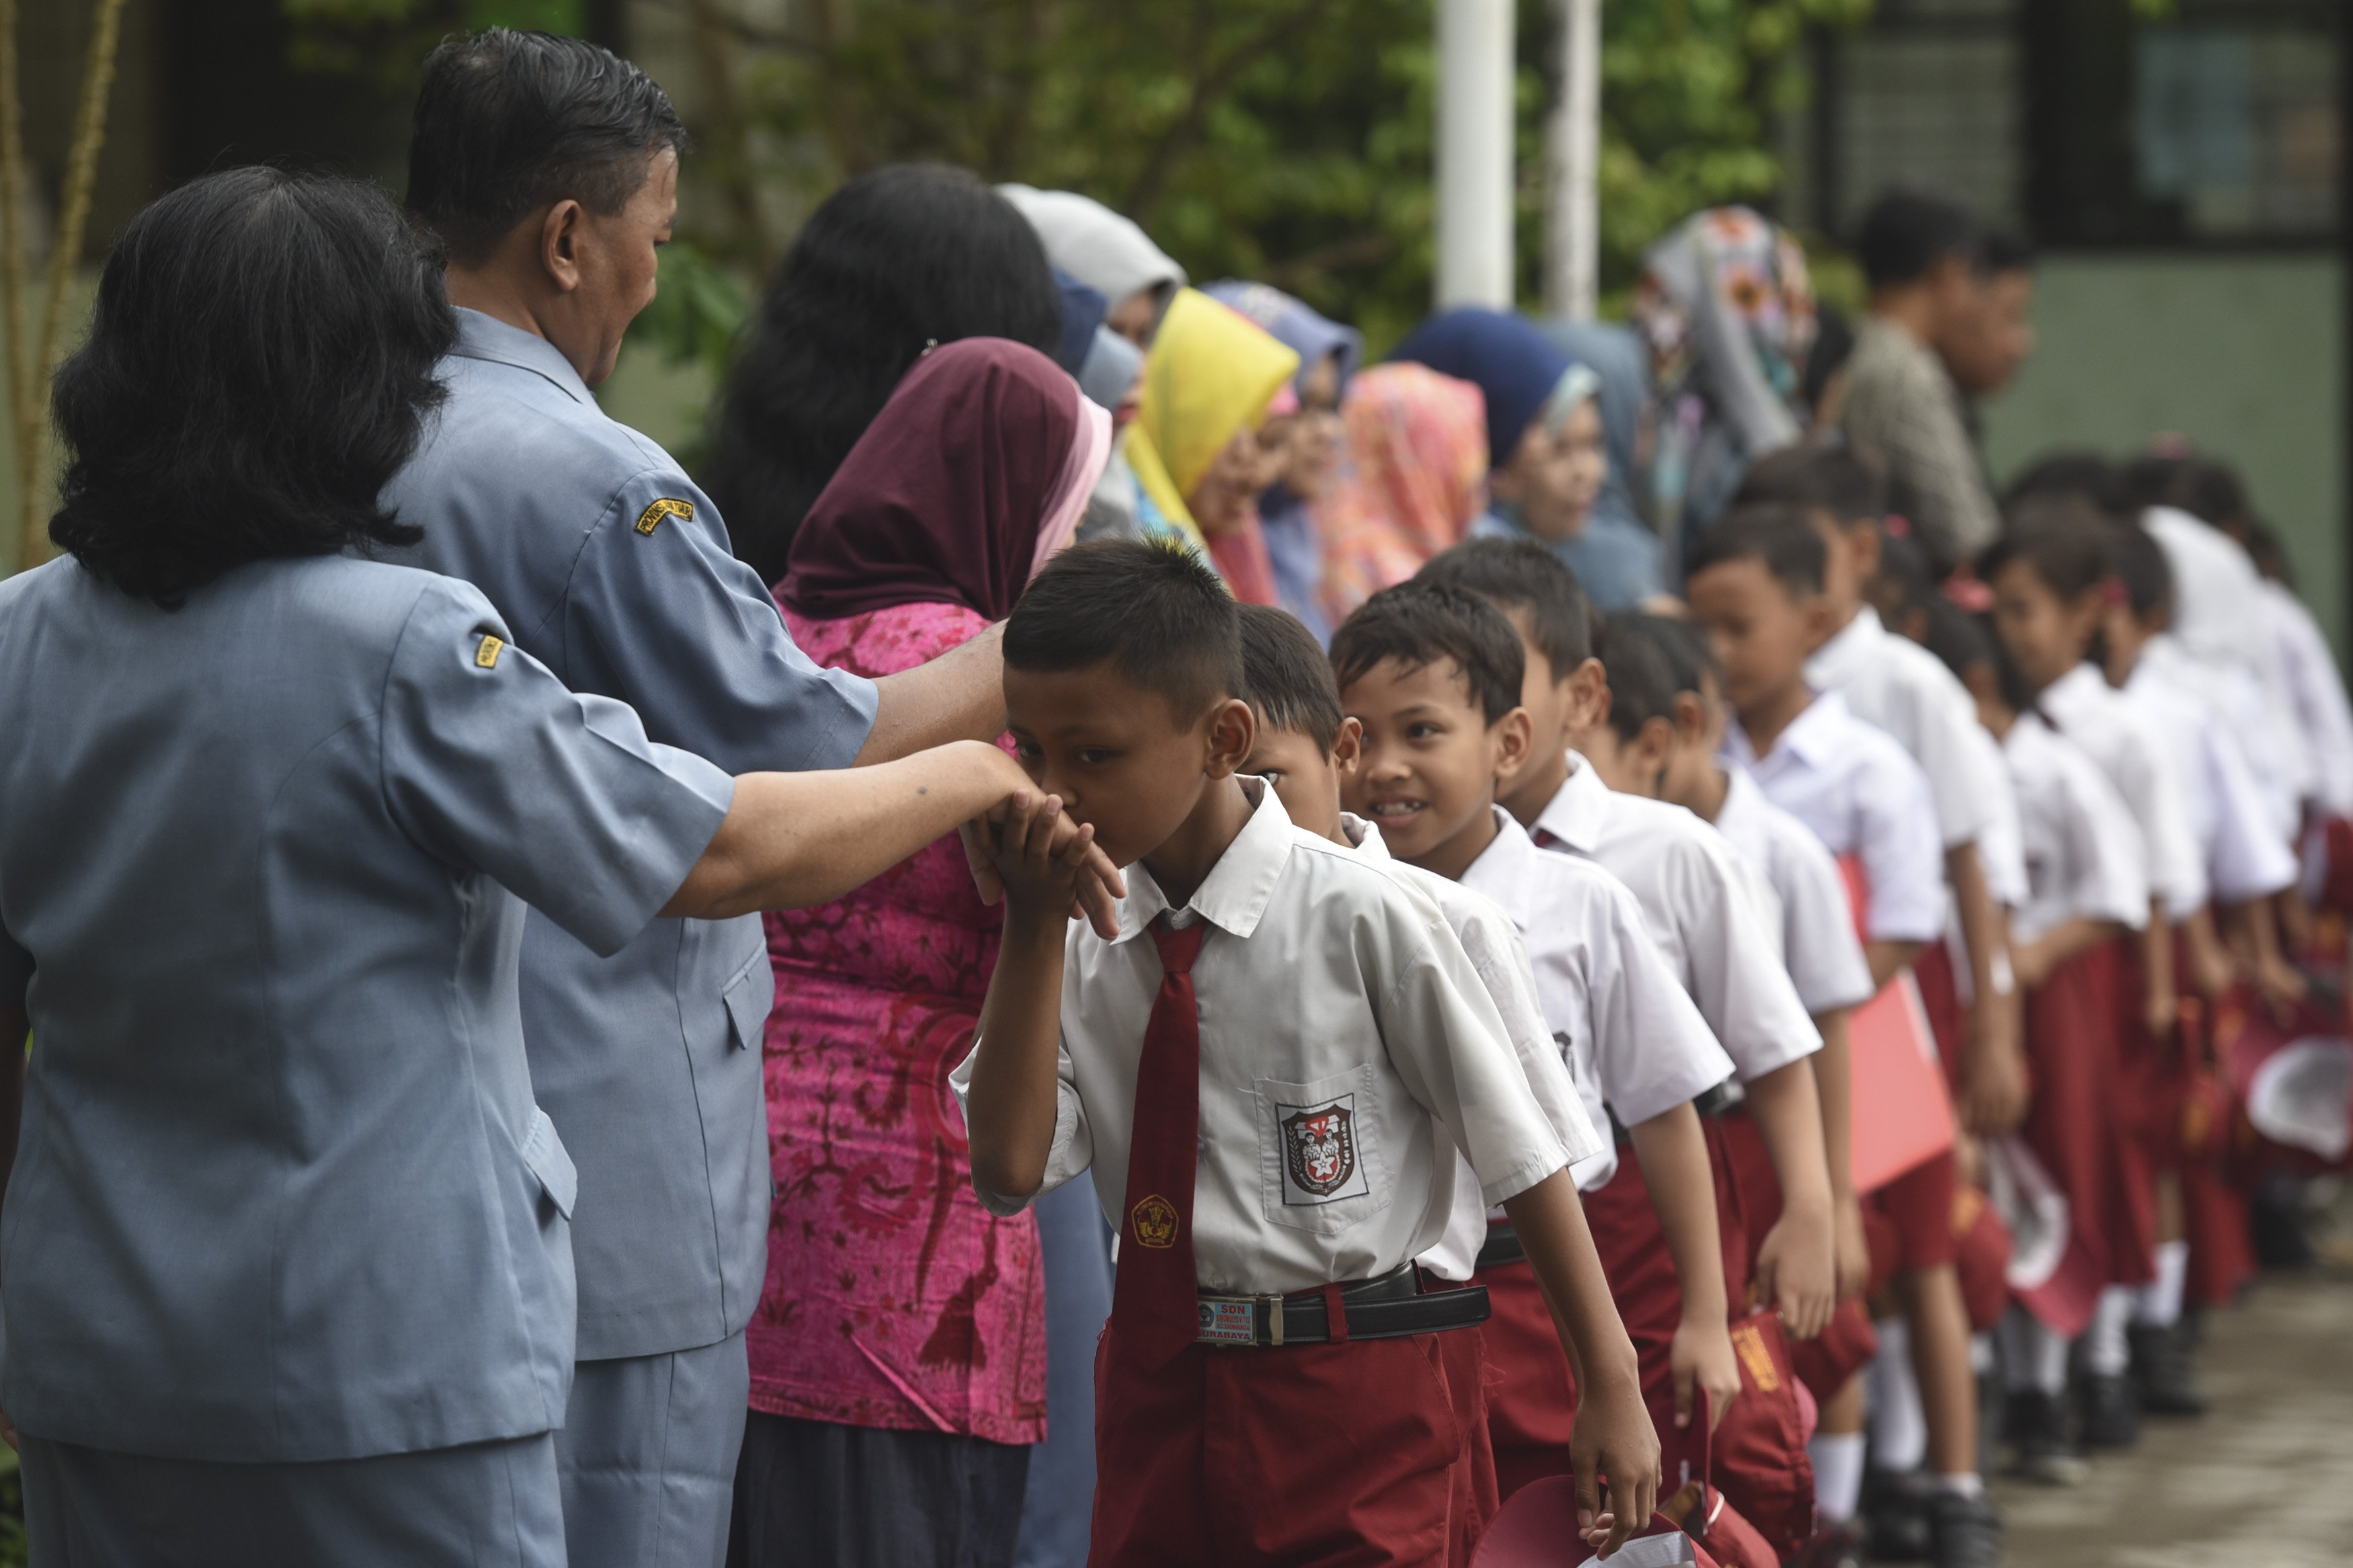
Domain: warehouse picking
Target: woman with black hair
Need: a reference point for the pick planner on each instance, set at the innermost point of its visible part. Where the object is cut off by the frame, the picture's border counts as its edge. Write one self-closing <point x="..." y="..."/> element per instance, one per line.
<point x="897" y="260"/>
<point x="289" y="1263"/>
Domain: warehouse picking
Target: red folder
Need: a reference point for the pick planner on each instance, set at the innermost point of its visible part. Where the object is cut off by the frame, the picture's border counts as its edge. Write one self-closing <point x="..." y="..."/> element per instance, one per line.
<point x="1903" y="1116"/>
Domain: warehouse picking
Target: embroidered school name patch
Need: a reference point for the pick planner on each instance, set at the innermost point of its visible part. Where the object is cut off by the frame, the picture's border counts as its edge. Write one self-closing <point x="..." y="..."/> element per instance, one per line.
<point x="1319" y="1151"/>
<point x="650" y="518"/>
<point x="486" y="657"/>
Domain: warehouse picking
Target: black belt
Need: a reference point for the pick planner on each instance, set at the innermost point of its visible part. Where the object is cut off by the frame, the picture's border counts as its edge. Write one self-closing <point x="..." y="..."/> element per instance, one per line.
<point x="1388" y="1308"/>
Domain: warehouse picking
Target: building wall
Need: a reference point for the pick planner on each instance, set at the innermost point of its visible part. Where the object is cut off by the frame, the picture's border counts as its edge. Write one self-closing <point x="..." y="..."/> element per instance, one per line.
<point x="2245" y="354"/>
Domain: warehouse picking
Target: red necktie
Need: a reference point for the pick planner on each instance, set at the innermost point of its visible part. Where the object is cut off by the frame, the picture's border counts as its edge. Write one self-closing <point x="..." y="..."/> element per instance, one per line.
<point x="1155" y="1313"/>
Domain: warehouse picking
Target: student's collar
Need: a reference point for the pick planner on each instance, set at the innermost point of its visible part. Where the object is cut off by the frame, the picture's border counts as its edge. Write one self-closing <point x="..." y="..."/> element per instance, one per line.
<point x="1577" y="814"/>
<point x="1364" y="836"/>
<point x="1807" y="738"/>
<point x="2073" y="688"/>
<point x="485" y="337"/>
<point x="1849" y="648"/>
<point x="1501" y="871"/>
<point x="1742" y="796"/>
<point x="1235" y="893"/>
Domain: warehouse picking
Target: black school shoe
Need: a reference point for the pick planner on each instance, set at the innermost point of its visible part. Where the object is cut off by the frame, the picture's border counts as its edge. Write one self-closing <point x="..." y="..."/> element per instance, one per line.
<point x="2161" y="1372"/>
<point x="1895" y="1516"/>
<point x="1833" y="1546"/>
<point x="2035" y="1425"/>
<point x="2111" y="1411"/>
<point x="1963" y="1532"/>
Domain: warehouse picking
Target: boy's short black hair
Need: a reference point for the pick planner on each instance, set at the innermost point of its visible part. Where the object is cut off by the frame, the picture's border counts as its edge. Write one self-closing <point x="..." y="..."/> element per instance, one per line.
<point x="2210" y="490"/>
<point x="1286" y="677"/>
<point x="1962" y="641"/>
<point x="2066" y="539"/>
<point x="1155" y="612"/>
<point x="1905" y="575"/>
<point x="2002" y="250"/>
<point x="2068" y="471"/>
<point x="1641" y="681"/>
<point x="507" y="122"/>
<point x="1822" y="476"/>
<point x="1906" y="234"/>
<point x="1782" y="539"/>
<point x="1419" y="624"/>
<point x="1521" y="575"/>
<point x="2139" y="565"/>
<point x="1689" y="652"/>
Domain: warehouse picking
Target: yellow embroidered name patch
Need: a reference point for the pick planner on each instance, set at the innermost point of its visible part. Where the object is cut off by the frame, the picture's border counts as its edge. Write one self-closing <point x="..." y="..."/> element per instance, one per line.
<point x="650" y="518"/>
<point x="486" y="657"/>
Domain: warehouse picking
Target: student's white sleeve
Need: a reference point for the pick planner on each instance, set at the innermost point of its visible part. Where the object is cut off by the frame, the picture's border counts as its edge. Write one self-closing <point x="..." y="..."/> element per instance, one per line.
<point x="2144" y="776"/>
<point x="1073" y="1148"/>
<point x="1903" y="855"/>
<point x="2249" y="860"/>
<point x="1651" y="1048"/>
<point x="2001" y="847"/>
<point x="2111" y="880"/>
<point x="1451" y="1047"/>
<point x="1961" y="780"/>
<point x="1738" y="980"/>
<point x="1825" y="957"/>
<point x="2316" y="692"/>
<point x="1499" y="960"/>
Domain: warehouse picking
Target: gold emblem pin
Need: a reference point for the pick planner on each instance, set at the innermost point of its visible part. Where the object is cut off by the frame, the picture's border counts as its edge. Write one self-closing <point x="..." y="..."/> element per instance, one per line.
<point x="1154" y="1222"/>
<point x="487" y="656"/>
<point x="650" y="518"/>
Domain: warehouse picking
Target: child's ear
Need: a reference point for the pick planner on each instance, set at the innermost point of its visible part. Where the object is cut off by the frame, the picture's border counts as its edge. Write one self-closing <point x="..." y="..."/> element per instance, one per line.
<point x="1515" y="744"/>
<point x="1819" y="629"/>
<point x="1691" y="718"/>
<point x="1589" y="697"/>
<point x="1348" y="748"/>
<point x="1654" y="745"/>
<point x="1232" y="731"/>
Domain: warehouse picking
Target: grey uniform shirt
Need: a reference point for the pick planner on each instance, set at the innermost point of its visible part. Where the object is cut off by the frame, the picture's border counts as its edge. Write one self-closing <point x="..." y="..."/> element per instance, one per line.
<point x="615" y="571"/>
<point x="282" y="1192"/>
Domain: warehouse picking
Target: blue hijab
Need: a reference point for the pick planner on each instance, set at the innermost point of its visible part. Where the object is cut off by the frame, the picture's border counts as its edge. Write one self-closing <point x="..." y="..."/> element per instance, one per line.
<point x="1505" y="355"/>
<point x="1083" y="311"/>
<point x="1297" y="327"/>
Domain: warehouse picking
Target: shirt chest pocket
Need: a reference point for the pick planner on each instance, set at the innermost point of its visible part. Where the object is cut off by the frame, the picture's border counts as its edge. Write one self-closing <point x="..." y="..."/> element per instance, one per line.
<point x="1323" y="1161"/>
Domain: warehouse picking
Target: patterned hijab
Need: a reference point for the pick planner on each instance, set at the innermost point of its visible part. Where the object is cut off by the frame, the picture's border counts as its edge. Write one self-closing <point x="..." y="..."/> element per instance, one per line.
<point x="975" y="472"/>
<point x="1727" y="311"/>
<point x="1417" y="477"/>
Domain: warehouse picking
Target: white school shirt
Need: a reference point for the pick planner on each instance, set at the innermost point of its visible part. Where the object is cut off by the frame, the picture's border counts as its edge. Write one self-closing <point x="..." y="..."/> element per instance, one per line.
<point x="2220" y="616"/>
<point x="1894" y="683"/>
<point x="1492" y="943"/>
<point x="2244" y="856"/>
<point x="2316" y="696"/>
<point x="1690" y="886"/>
<point x="2116" y="734"/>
<point x="1803" y="893"/>
<point x="1862" y="796"/>
<point x="1331" y="993"/>
<point x="2084" y="857"/>
<point x="1633" y="1040"/>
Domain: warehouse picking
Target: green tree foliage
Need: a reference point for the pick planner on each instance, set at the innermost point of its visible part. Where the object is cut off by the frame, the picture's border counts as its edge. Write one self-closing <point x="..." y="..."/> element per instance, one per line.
<point x="1284" y="140"/>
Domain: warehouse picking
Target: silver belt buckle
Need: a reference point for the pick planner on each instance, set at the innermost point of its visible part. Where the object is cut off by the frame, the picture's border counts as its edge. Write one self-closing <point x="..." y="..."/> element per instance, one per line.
<point x="1233" y="1321"/>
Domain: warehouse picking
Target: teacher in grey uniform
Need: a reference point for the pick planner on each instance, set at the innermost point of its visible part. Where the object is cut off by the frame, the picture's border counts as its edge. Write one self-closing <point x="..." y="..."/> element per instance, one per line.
<point x="549" y="168"/>
<point x="288" y="1276"/>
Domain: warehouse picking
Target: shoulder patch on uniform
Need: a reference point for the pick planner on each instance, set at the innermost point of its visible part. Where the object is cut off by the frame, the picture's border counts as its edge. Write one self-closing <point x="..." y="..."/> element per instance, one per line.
<point x="486" y="657"/>
<point x="650" y="518"/>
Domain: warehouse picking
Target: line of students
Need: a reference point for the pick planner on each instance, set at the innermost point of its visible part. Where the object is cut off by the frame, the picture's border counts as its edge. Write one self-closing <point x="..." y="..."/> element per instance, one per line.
<point x="1595" y="904"/>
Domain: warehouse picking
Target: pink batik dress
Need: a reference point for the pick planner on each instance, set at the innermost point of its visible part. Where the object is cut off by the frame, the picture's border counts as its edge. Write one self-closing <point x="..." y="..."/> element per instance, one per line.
<point x="892" y="1300"/>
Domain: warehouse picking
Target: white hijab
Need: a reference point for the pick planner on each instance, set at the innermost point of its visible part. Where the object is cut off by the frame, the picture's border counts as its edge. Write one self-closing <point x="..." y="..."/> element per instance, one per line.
<point x="1106" y="252"/>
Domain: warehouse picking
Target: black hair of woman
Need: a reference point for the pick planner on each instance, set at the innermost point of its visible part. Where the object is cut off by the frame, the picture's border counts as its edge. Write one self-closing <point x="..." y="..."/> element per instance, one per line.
<point x="259" y="366"/>
<point x="900" y="258"/>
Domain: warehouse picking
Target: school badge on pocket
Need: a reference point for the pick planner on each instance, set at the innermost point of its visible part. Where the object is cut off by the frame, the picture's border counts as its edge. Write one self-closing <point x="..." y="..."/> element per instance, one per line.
<point x="1319" y="1151"/>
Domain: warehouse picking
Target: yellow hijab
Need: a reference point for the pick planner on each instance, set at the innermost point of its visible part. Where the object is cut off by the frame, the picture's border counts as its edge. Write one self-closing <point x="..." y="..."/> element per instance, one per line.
<point x="1211" y="372"/>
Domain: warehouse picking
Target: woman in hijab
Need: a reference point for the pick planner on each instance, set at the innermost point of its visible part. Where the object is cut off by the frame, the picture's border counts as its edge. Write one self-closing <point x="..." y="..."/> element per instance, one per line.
<point x="1546" y="459"/>
<point x="1307" y="445"/>
<point x="1106" y="252"/>
<point x="1727" y="311"/>
<point x="897" y="1353"/>
<point x="898" y="260"/>
<point x="1416" y="479"/>
<point x="1207" y="384"/>
<point x="1619" y="549"/>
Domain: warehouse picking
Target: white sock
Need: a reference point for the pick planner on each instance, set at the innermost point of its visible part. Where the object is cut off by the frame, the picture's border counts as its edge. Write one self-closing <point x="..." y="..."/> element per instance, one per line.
<point x="1981" y="1356"/>
<point x="2157" y="1304"/>
<point x="1899" y="1427"/>
<point x="2033" y="1356"/>
<point x="1837" y="1474"/>
<point x="1970" y="1485"/>
<point x="2105" y="1354"/>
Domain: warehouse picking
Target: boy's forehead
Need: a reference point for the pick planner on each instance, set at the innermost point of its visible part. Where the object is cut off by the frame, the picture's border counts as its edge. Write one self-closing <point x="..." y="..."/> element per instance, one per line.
<point x="1095" y="695"/>
<point x="1399" y="683"/>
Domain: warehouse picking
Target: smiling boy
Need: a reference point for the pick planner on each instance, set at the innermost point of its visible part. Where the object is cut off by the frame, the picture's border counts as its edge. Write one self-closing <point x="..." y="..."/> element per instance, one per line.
<point x="1265" y="1092"/>
<point x="1432" y="675"/>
